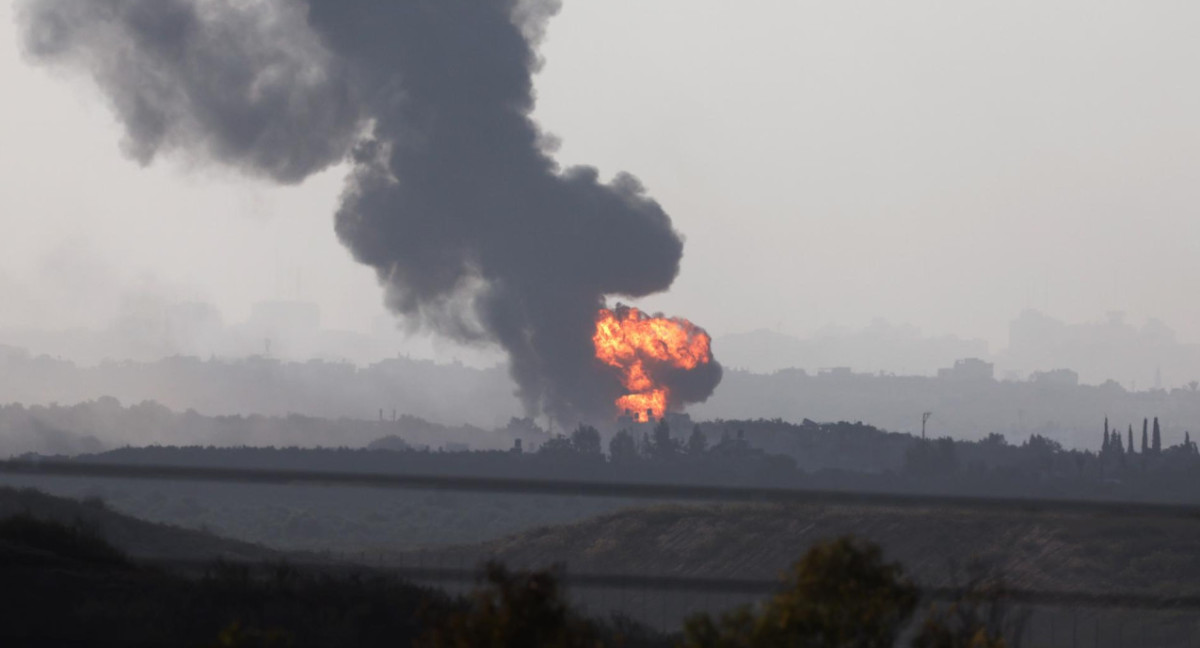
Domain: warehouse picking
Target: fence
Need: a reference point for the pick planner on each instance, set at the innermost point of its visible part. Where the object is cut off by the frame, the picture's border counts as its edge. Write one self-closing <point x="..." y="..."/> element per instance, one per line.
<point x="1050" y="618"/>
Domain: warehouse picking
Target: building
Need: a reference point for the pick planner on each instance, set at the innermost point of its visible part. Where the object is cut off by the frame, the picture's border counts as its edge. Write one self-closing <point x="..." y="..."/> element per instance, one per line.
<point x="1055" y="378"/>
<point x="969" y="370"/>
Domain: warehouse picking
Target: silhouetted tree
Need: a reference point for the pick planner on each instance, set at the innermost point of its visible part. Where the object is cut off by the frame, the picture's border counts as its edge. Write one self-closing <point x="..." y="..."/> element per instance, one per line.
<point x="1043" y="446"/>
<point x="1156" y="443"/>
<point x="931" y="457"/>
<point x="513" y="609"/>
<point x="697" y="442"/>
<point x="586" y="440"/>
<point x="994" y="439"/>
<point x="975" y="619"/>
<point x="664" y="447"/>
<point x="1145" y="438"/>
<point x="621" y="448"/>
<point x="1130" y="446"/>
<point x="840" y="594"/>
<point x="1104" y="444"/>
<point x="558" y="445"/>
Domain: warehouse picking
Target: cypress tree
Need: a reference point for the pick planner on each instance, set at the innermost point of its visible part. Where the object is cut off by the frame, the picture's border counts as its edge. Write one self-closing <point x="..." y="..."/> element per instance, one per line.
<point x="1145" y="438"/>
<point x="663" y="445"/>
<point x="1104" y="445"/>
<point x="1157" y="441"/>
<point x="622" y="448"/>
<point x="1117" y="444"/>
<point x="697" y="443"/>
<point x="1130" y="448"/>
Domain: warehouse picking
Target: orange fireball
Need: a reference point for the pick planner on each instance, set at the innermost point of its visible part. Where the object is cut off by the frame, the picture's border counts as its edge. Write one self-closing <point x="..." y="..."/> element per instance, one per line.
<point x="637" y="344"/>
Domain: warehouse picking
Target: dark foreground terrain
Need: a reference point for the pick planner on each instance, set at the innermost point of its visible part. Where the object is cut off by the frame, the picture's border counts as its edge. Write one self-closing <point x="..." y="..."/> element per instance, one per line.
<point x="78" y="573"/>
<point x="66" y="584"/>
<point x="1060" y="552"/>
<point x="1096" y="580"/>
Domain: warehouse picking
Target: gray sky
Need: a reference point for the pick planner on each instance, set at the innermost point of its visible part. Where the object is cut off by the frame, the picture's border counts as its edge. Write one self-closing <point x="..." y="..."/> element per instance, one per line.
<point x="939" y="163"/>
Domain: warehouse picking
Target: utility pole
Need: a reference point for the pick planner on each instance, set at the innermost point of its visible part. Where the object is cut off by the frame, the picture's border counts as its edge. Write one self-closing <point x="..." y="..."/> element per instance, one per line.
<point x="924" y="420"/>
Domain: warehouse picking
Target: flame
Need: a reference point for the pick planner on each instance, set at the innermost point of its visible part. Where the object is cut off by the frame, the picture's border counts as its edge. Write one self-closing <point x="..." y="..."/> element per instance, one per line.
<point x="637" y="344"/>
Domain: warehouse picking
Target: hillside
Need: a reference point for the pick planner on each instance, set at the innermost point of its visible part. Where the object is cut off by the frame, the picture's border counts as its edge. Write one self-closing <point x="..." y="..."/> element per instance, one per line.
<point x="137" y="538"/>
<point x="77" y="574"/>
<point x="1064" y="552"/>
<point x="67" y="585"/>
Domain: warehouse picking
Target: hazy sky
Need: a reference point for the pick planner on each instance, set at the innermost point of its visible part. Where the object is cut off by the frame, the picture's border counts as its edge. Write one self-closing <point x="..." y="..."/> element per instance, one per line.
<point x="940" y="163"/>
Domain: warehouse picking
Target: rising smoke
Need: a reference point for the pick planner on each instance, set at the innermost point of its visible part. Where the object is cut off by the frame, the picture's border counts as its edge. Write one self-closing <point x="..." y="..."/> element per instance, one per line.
<point x="452" y="197"/>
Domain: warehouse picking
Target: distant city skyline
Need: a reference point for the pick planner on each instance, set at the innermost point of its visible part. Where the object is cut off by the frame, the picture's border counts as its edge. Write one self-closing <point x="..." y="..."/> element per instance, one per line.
<point x="1138" y="355"/>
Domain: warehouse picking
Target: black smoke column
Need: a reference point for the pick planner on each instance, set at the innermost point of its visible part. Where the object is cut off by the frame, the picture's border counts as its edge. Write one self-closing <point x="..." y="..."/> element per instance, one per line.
<point x="452" y="198"/>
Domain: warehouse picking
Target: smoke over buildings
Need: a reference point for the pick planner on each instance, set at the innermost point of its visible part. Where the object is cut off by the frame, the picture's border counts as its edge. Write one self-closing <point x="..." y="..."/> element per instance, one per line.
<point x="452" y="197"/>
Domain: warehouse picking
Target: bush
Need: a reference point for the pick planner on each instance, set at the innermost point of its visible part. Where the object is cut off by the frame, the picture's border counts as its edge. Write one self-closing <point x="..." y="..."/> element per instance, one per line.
<point x="513" y="609"/>
<point x="839" y="595"/>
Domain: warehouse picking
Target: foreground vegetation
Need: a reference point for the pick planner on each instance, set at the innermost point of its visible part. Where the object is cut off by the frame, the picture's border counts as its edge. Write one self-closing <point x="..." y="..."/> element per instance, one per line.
<point x="75" y="573"/>
<point x="1062" y="552"/>
<point x="64" y="584"/>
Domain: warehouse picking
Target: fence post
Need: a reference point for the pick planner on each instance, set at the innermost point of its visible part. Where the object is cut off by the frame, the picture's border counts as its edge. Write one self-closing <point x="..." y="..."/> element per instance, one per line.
<point x="622" y="586"/>
<point x="646" y="601"/>
<point x="665" y="593"/>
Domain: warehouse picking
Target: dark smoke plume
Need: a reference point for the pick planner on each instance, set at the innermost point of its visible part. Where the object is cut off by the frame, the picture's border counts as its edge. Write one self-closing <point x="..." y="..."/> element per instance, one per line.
<point x="452" y="198"/>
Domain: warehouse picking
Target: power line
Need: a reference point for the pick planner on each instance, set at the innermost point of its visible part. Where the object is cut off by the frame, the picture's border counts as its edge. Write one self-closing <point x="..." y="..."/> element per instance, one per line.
<point x="606" y="489"/>
<point x="722" y="585"/>
<point x="59" y="468"/>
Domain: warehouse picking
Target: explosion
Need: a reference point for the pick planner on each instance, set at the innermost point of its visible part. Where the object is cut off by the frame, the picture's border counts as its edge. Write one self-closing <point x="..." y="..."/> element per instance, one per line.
<point x="473" y="229"/>
<point x="647" y="350"/>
